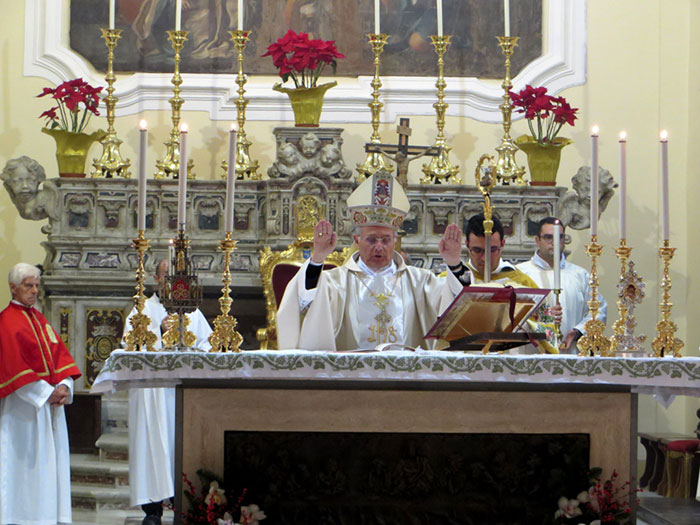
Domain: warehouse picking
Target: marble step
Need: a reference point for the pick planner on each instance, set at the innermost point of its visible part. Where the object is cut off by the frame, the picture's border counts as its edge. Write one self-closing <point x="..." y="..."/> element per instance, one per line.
<point x="98" y="498"/>
<point x="113" y="445"/>
<point x="90" y="469"/>
<point x="115" y="412"/>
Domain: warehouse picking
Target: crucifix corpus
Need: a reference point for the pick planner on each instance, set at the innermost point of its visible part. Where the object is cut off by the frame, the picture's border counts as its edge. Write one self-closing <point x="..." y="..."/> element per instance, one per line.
<point x="403" y="154"/>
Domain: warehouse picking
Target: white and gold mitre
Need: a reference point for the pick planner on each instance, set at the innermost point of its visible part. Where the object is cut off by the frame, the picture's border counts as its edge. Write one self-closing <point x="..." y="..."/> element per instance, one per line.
<point x="379" y="201"/>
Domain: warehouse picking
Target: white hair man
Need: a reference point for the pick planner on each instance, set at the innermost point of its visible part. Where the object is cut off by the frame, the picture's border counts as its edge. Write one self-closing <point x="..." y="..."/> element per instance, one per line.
<point x="36" y="381"/>
<point x="152" y="415"/>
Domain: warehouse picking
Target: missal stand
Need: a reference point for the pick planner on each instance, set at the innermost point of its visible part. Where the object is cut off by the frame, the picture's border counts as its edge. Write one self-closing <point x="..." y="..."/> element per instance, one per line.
<point x="489" y="318"/>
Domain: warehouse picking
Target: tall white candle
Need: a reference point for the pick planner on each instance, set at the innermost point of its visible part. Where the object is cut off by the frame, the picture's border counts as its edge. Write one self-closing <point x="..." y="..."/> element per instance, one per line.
<point x="111" y="14"/>
<point x="240" y="15"/>
<point x="623" y="185"/>
<point x="182" y="180"/>
<point x="171" y="257"/>
<point x="439" y="17"/>
<point x="556" y="266"/>
<point x="143" y="144"/>
<point x="230" y="179"/>
<point x="664" y="185"/>
<point x="376" y="17"/>
<point x="178" y="15"/>
<point x="506" y="17"/>
<point x="594" y="180"/>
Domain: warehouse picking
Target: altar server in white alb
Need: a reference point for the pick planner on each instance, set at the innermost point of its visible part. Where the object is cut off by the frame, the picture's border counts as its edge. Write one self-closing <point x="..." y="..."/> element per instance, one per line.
<point x="36" y="381"/>
<point x="374" y="298"/>
<point x="575" y="288"/>
<point x="152" y="416"/>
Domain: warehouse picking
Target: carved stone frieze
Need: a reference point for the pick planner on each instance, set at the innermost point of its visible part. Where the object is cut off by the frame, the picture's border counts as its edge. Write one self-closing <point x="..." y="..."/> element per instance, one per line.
<point x="302" y="152"/>
<point x="112" y="209"/>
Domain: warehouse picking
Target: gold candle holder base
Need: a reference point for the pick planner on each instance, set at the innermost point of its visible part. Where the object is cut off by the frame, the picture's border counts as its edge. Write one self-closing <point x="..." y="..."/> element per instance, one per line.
<point x="630" y="292"/>
<point x="169" y="165"/>
<point x="559" y="339"/>
<point x="225" y="338"/>
<point x="666" y="343"/>
<point x="440" y="169"/>
<point x="507" y="170"/>
<point x="594" y="343"/>
<point x="111" y="164"/>
<point x="375" y="161"/>
<point x="177" y="335"/>
<point x="140" y="337"/>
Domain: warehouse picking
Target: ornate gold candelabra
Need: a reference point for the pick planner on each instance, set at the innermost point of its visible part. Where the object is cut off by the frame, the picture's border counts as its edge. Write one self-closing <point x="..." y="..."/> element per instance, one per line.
<point x="246" y="168"/>
<point x="111" y="164"/>
<point x="225" y="338"/>
<point x="375" y="161"/>
<point x="594" y="342"/>
<point x="169" y="166"/>
<point x="666" y="343"/>
<point x="630" y="291"/>
<point x="485" y="181"/>
<point x="557" y="324"/>
<point x="440" y="169"/>
<point x="140" y="337"/>
<point x="507" y="169"/>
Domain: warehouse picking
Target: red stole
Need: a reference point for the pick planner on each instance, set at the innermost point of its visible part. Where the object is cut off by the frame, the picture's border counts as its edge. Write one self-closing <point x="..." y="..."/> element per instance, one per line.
<point x="30" y="350"/>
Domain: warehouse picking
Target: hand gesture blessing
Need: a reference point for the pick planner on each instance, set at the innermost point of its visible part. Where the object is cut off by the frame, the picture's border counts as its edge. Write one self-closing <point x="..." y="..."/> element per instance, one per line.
<point x="451" y="245"/>
<point x="324" y="241"/>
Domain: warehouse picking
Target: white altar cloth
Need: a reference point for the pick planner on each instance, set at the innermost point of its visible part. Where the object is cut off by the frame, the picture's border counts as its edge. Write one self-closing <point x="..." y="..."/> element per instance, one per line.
<point x="664" y="376"/>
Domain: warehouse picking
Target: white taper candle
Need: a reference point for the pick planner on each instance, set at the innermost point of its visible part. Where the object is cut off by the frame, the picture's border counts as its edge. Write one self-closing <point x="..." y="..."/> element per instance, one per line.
<point x="143" y="145"/>
<point x="182" y="180"/>
<point x="178" y="15"/>
<point x="230" y="179"/>
<point x="556" y="266"/>
<point x="623" y="185"/>
<point x="439" y="17"/>
<point x="240" y="15"/>
<point x="664" y="186"/>
<point x="377" y="8"/>
<point x="506" y="17"/>
<point x="111" y="14"/>
<point x="594" y="180"/>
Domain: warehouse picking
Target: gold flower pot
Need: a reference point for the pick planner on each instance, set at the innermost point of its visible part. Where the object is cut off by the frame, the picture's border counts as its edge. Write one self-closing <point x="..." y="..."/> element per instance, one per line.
<point x="72" y="150"/>
<point x="307" y="103"/>
<point x="543" y="160"/>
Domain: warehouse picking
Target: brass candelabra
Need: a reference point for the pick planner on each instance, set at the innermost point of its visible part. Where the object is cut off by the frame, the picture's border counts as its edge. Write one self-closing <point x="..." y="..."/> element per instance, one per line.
<point x="439" y="169"/>
<point x="140" y="337"/>
<point x="507" y="169"/>
<point x="594" y="343"/>
<point x="246" y="168"/>
<point x="225" y="338"/>
<point x="559" y="339"/>
<point x="111" y="164"/>
<point x="485" y="181"/>
<point x="666" y="343"/>
<point x="169" y="166"/>
<point x="375" y="161"/>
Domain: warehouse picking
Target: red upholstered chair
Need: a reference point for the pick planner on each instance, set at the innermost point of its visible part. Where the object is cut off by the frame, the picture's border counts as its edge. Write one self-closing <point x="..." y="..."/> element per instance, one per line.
<point x="681" y="469"/>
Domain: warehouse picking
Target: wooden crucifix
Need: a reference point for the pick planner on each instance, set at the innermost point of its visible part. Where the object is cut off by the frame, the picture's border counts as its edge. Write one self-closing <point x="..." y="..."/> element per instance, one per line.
<point x="403" y="154"/>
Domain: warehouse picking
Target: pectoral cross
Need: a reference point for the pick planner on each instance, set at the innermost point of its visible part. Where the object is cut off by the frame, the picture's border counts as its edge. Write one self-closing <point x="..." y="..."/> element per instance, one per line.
<point x="403" y="153"/>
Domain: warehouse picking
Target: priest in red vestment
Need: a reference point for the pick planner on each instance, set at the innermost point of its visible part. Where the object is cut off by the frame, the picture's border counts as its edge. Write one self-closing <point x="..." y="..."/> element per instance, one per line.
<point x="36" y="381"/>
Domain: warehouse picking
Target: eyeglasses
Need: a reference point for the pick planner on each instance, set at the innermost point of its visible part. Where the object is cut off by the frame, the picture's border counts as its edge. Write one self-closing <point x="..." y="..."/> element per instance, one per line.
<point x="476" y="250"/>
<point x="386" y="241"/>
<point x="549" y="237"/>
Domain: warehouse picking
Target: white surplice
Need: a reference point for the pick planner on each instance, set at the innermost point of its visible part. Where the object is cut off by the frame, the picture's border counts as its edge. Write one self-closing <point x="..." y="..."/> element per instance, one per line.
<point x="152" y="418"/>
<point x="343" y="312"/>
<point x="575" y="291"/>
<point x="34" y="457"/>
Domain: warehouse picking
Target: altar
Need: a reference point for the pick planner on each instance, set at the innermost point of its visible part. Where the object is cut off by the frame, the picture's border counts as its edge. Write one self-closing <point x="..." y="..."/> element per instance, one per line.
<point x="401" y="392"/>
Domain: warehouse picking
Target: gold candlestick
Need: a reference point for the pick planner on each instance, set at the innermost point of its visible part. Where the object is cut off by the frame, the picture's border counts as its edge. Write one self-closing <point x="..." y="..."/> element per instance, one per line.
<point x="169" y="166"/>
<point x="557" y="324"/>
<point x="439" y="169"/>
<point x="630" y="291"/>
<point x="225" y="338"/>
<point x="665" y="343"/>
<point x="111" y="164"/>
<point x="507" y="170"/>
<point x="594" y="343"/>
<point x="245" y="167"/>
<point x="375" y="161"/>
<point x="140" y="337"/>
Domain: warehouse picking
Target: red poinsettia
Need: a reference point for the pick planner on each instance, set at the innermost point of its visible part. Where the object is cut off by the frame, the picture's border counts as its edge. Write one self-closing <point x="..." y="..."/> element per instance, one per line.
<point x="302" y="59"/>
<point x="551" y="113"/>
<point x="69" y="97"/>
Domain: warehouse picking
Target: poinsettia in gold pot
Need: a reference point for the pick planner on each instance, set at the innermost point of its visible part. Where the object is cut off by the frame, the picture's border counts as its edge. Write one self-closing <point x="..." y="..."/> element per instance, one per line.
<point x="303" y="60"/>
<point x="545" y="116"/>
<point x="76" y="101"/>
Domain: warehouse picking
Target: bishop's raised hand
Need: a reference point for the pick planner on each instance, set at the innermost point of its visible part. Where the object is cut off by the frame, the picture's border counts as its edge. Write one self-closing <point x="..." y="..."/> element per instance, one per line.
<point x="324" y="241"/>
<point x="451" y="245"/>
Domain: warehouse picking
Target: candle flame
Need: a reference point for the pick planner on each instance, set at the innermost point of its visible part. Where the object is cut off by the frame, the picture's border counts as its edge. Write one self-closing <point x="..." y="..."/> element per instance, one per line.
<point x="171" y="242"/>
<point x="663" y="135"/>
<point x="234" y="127"/>
<point x="183" y="128"/>
<point x="623" y="136"/>
<point x="143" y="124"/>
<point x="595" y="130"/>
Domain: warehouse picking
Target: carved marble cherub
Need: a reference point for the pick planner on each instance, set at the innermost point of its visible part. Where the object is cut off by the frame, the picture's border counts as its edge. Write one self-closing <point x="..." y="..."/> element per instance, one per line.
<point x="576" y="204"/>
<point x="21" y="178"/>
<point x="331" y="160"/>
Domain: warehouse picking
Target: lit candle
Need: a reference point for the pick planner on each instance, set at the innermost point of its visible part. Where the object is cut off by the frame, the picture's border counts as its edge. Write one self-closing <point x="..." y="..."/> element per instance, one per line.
<point x="506" y="17"/>
<point x="111" y="14"/>
<point x="594" y="180"/>
<point x="376" y="17"/>
<point x="230" y="179"/>
<point x="178" y="15"/>
<point x="182" y="180"/>
<point x="240" y="15"/>
<point x="143" y="143"/>
<point x="557" y="256"/>
<point x="664" y="185"/>
<point x="623" y="185"/>
<point x="439" y="17"/>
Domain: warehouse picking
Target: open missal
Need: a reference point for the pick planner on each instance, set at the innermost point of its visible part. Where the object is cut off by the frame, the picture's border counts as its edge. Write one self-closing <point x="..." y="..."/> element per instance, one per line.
<point x="489" y="318"/>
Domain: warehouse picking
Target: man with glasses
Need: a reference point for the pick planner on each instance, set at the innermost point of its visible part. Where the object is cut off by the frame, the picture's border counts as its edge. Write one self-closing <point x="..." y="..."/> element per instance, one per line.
<point x="575" y="289"/>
